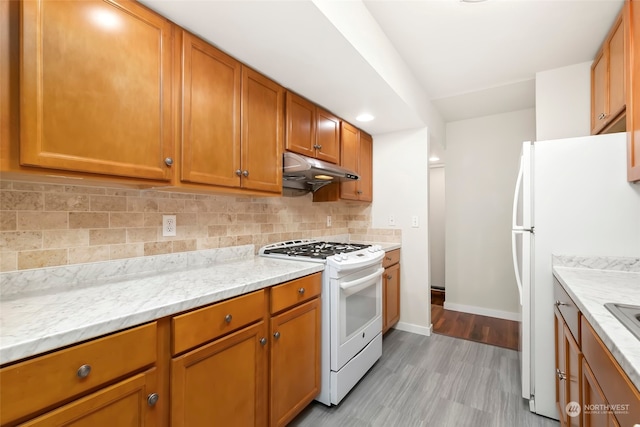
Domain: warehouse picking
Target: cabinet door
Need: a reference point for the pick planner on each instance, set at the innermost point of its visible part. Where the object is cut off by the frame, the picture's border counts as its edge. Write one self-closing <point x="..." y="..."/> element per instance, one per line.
<point x="349" y="140"/>
<point x="599" y="92"/>
<point x="328" y="137"/>
<point x="561" y="368"/>
<point x="223" y="383"/>
<point x="573" y="360"/>
<point x="633" y="91"/>
<point x="295" y="361"/>
<point x="617" y="100"/>
<point x="301" y="125"/>
<point x="211" y="114"/>
<point x="96" y="88"/>
<point x="126" y="404"/>
<point x="262" y="132"/>
<point x="365" y="169"/>
<point x="593" y="397"/>
<point x="391" y="297"/>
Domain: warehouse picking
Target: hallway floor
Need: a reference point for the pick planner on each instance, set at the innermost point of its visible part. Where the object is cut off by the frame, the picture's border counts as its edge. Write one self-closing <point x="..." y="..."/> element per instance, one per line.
<point x="483" y="329"/>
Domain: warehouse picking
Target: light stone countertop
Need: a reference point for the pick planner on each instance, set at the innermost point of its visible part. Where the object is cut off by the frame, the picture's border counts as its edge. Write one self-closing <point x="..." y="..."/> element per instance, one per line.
<point x="590" y="288"/>
<point x="62" y="312"/>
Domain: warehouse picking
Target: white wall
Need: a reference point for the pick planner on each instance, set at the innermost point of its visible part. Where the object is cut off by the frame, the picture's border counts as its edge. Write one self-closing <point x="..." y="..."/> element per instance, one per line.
<point x="481" y="168"/>
<point x="400" y="188"/>
<point x="436" y="226"/>
<point x="563" y="102"/>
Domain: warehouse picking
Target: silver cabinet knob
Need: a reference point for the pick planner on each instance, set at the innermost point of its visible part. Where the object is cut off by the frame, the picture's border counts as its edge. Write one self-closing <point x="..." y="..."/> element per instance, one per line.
<point x="152" y="399"/>
<point x="263" y="341"/>
<point x="168" y="161"/>
<point x="561" y="375"/>
<point x="359" y="191"/>
<point x="228" y="318"/>
<point x="238" y="172"/>
<point x="276" y="335"/>
<point x="389" y="277"/>
<point x="245" y="173"/>
<point x="84" y="371"/>
<point x="301" y="291"/>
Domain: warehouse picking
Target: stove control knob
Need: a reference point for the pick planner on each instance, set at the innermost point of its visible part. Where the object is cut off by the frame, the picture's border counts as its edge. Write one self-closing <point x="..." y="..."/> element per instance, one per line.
<point x="343" y="256"/>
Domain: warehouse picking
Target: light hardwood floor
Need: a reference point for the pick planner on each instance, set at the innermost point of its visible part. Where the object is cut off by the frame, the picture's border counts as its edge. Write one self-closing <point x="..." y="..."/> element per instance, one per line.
<point x="435" y="381"/>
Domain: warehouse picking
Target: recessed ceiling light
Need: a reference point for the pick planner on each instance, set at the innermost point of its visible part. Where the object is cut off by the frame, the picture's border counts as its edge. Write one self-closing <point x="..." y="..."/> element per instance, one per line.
<point x="364" y="117"/>
<point x="434" y="158"/>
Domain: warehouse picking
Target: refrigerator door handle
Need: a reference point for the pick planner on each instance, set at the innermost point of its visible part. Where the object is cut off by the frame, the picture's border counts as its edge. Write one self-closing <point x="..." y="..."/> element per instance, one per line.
<point x="516" y="197"/>
<point x="515" y="260"/>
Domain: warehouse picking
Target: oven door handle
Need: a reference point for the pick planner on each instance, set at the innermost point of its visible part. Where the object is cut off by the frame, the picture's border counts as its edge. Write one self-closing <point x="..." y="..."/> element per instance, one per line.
<point x="362" y="283"/>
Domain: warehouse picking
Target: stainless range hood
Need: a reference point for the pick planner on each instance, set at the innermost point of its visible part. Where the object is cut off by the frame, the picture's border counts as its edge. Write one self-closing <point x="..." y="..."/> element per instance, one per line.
<point x="302" y="174"/>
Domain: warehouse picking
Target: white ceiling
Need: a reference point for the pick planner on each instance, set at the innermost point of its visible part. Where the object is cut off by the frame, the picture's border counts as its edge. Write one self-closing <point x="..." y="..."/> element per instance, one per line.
<point x="467" y="59"/>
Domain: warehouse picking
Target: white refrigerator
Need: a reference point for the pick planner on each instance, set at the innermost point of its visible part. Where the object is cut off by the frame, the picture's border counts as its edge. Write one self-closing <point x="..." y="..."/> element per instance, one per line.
<point x="571" y="198"/>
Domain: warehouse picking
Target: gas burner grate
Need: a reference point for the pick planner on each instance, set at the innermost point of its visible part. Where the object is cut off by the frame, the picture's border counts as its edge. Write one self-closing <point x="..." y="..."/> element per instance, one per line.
<point x="315" y="250"/>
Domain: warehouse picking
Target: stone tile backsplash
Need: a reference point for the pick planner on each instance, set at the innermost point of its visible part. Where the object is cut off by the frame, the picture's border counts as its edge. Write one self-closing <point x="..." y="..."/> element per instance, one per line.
<point x="45" y="225"/>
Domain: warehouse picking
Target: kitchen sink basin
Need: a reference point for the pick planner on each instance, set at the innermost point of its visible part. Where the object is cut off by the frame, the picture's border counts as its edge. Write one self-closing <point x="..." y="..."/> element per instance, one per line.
<point x="628" y="315"/>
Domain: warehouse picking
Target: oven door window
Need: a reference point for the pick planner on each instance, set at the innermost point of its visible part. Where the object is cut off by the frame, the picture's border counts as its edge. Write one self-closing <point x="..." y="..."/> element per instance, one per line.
<point x="357" y="310"/>
<point x="356" y="313"/>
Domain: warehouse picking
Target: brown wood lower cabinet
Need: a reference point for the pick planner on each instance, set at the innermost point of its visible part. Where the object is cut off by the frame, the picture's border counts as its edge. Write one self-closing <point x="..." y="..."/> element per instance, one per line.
<point x="592" y="390"/>
<point x="295" y="361"/>
<point x="391" y="290"/>
<point x="251" y="360"/>
<point x="66" y="377"/>
<point x="130" y="403"/>
<point x="593" y="397"/>
<point x="222" y="383"/>
<point x="295" y="350"/>
<point x="568" y="374"/>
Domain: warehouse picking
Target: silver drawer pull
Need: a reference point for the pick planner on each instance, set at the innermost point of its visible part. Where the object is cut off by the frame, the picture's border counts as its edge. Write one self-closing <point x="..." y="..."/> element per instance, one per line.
<point x="152" y="399"/>
<point x="84" y="371"/>
<point x="228" y="318"/>
<point x="559" y="303"/>
<point x="301" y="291"/>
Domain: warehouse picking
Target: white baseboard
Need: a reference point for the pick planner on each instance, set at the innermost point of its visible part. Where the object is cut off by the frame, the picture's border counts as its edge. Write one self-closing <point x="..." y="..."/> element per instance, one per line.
<point x="483" y="311"/>
<point x="416" y="329"/>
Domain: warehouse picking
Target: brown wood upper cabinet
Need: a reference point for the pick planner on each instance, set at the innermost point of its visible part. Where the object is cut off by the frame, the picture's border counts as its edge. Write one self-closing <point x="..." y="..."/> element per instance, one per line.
<point x="311" y="131"/>
<point x="232" y="121"/>
<point x="357" y="155"/>
<point x="608" y="100"/>
<point x="96" y="80"/>
<point x="632" y="20"/>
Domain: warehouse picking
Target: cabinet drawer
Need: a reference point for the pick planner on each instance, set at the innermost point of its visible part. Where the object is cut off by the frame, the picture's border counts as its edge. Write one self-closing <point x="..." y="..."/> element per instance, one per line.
<point x="296" y="291"/>
<point x="391" y="257"/>
<point x="39" y="383"/>
<point x="568" y="309"/>
<point x="197" y="327"/>
<point x="615" y="384"/>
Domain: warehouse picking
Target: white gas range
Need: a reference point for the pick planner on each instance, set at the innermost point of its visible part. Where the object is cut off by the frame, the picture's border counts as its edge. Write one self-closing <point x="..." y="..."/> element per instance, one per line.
<point x="351" y="309"/>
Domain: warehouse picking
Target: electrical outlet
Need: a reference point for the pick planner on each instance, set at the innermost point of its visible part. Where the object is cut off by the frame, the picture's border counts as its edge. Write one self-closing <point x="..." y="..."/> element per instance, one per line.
<point x="414" y="221"/>
<point x="169" y="225"/>
<point x="328" y="220"/>
<point x="392" y="220"/>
